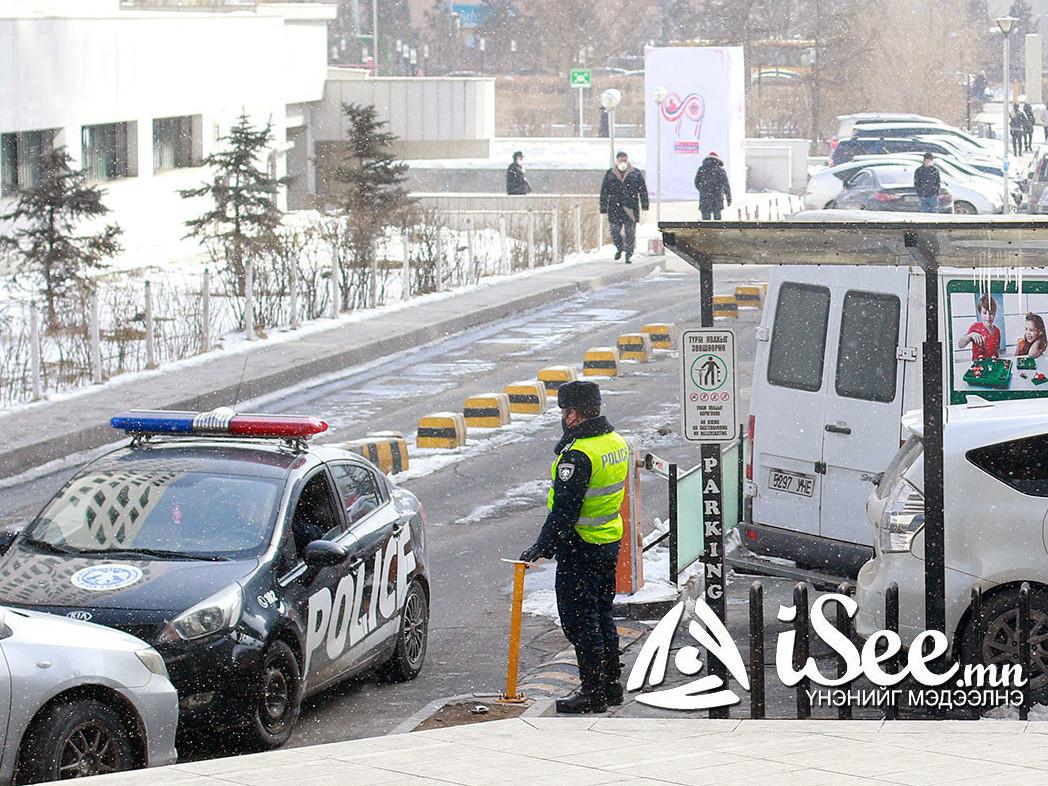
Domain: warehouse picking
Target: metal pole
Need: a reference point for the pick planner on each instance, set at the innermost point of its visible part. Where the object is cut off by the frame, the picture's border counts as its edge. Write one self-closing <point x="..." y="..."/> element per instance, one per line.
<point x="1023" y="645"/>
<point x="757" y="700"/>
<point x="673" y="523"/>
<point x="1005" y="129"/>
<point x="504" y="244"/>
<point x="374" y="32"/>
<point x="514" y="632"/>
<point x="34" y="350"/>
<point x="96" y="340"/>
<point x="531" y="238"/>
<point x="577" y="209"/>
<point x="802" y="648"/>
<point x="150" y="338"/>
<point x="249" y="301"/>
<point x="611" y="134"/>
<point x="844" y="625"/>
<point x="470" y="256"/>
<point x="658" y="163"/>
<point x="439" y="271"/>
<point x="891" y="623"/>
<point x="205" y="312"/>
<point x="580" y="111"/>
<point x="556" y="235"/>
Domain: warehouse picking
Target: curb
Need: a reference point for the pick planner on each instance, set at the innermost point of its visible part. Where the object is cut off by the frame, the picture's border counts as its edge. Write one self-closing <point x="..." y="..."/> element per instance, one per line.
<point x="431" y="709"/>
<point x="89" y="434"/>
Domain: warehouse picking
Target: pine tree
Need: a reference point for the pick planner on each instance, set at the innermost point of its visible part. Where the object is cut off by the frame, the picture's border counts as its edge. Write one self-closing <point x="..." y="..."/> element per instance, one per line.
<point x="245" y="218"/>
<point x="374" y="196"/>
<point x="43" y="229"/>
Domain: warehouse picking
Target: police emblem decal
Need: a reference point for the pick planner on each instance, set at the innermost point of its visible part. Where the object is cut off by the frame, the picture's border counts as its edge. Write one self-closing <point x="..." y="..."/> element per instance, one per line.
<point x="106" y="577"/>
<point x="565" y="471"/>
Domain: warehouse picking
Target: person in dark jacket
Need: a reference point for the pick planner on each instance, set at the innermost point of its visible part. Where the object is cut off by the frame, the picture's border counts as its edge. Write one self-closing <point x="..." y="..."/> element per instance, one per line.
<point x="1017" y="126"/>
<point x="623" y="194"/>
<point x="1028" y="111"/>
<point x="516" y="183"/>
<point x="926" y="184"/>
<point x="714" y="190"/>
<point x="582" y="530"/>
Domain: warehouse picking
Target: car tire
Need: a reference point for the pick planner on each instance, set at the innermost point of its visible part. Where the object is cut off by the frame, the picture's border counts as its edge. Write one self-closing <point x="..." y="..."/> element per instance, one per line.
<point x="74" y="740"/>
<point x="412" y="637"/>
<point x="964" y="208"/>
<point x="1000" y="615"/>
<point x="279" y="699"/>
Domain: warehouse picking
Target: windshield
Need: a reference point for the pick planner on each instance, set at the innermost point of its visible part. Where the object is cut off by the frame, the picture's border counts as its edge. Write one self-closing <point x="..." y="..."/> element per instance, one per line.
<point x="181" y="513"/>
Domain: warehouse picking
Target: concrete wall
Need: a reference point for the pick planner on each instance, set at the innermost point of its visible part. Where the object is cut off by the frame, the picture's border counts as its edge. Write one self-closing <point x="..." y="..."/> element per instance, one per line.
<point x="776" y="164"/>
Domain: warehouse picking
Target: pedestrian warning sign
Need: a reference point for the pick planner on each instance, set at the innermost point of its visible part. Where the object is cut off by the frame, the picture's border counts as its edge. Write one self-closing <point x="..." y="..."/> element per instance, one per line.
<point x="709" y="395"/>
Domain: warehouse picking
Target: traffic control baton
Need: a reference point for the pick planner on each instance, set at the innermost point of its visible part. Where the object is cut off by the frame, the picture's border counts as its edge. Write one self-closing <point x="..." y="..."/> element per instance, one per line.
<point x="510" y="696"/>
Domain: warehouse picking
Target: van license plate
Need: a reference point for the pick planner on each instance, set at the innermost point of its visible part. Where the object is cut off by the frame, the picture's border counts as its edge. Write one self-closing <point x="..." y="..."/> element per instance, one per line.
<point x="802" y="485"/>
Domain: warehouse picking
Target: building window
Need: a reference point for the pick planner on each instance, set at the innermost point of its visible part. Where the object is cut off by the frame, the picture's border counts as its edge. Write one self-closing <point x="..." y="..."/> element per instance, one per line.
<point x="174" y="142"/>
<point x="20" y="158"/>
<point x="106" y="151"/>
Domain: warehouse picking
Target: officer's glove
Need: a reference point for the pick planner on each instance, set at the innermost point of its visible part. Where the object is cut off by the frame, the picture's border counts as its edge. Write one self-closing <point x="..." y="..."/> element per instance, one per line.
<point x="531" y="554"/>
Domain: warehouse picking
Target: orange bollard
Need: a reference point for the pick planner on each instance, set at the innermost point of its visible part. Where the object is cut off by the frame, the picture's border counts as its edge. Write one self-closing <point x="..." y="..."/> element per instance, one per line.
<point x="629" y="572"/>
<point x="510" y="696"/>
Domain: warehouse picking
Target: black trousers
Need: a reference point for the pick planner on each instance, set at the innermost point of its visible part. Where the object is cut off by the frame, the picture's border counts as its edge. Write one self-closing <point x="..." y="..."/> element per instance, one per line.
<point x="585" y="595"/>
<point x="623" y="234"/>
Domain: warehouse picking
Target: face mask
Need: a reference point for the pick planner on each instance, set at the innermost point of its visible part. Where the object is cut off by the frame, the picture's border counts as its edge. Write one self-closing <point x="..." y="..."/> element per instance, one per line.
<point x="622" y="166"/>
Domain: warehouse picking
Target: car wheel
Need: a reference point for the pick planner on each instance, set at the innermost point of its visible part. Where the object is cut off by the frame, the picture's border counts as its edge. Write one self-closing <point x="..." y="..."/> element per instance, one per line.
<point x="279" y="698"/>
<point x="1000" y="639"/>
<point x="964" y="208"/>
<point x="406" y="661"/>
<point x="75" y="740"/>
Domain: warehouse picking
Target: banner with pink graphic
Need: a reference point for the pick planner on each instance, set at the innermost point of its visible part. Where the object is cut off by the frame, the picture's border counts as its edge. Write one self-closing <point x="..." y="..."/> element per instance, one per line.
<point x="703" y="112"/>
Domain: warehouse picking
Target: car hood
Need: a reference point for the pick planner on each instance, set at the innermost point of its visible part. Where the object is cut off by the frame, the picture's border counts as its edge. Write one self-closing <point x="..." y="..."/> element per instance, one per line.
<point x="47" y="631"/>
<point x="46" y="581"/>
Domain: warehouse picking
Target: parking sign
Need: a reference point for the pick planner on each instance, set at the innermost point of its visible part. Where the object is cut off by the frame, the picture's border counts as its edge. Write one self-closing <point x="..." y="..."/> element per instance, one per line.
<point x="709" y="395"/>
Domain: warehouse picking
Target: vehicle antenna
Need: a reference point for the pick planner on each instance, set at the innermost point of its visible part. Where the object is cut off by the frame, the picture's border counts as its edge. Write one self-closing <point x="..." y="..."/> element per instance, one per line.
<point x="243" y="371"/>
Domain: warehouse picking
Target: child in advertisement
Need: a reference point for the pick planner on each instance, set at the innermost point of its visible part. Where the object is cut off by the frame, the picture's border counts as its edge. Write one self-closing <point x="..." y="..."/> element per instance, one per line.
<point x="1034" y="341"/>
<point x="984" y="336"/>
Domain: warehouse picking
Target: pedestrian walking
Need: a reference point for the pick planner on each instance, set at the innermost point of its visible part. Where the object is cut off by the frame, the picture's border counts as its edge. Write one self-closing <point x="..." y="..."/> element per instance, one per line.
<point x="926" y="184"/>
<point x="1042" y="114"/>
<point x="714" y="190"/>
<point x="582" y="530"/>
<point x="1028" y="112"/>
<point x="623" y="195"/>
<point x="1017" y="127"/>
<point x="516" y="183"/>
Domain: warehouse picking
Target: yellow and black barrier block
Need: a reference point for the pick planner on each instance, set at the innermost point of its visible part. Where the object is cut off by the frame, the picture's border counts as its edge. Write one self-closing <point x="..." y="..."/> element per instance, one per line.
<point x="601" y="362"/>
<point x="635" y="346"/>
<point x="442" y="430"/>
<point x="748" y="295"/>
<point x="527" y="398"/>
<point x="387" y="451"/>
<point x="552" y="377"/>
<point x="488" y="410"/>
<point x="725" y="306"/>
<point x="663" y="335"/>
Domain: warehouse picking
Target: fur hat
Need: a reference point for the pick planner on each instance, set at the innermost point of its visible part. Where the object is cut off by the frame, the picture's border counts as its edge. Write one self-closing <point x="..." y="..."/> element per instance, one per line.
<point x="573" y="395"/>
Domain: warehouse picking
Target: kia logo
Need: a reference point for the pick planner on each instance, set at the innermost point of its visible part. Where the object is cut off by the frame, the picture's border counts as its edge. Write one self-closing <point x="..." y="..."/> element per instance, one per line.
<point x="83" y="616"/>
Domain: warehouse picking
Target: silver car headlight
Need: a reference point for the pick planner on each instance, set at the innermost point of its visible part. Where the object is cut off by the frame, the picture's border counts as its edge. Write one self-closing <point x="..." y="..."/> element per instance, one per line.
<point x="902" y="518"/>
<point x="153" y="661"/>
<point x="213" y="615"/>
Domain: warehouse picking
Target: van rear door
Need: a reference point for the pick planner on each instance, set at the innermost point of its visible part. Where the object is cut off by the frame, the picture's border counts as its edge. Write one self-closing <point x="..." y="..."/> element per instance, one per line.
<point x="864" y="379"/>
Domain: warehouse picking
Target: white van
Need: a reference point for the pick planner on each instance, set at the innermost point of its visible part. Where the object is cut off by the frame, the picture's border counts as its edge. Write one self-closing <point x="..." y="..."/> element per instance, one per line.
<point x="838" y="361"/>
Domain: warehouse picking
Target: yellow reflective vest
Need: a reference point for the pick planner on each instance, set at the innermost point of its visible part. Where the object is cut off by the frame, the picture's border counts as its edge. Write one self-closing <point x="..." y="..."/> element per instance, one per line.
<point x="609" y="455"/>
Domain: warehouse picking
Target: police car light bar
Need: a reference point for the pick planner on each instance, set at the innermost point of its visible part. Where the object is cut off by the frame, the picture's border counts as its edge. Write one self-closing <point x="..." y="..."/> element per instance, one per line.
<point x="218" y="422"/>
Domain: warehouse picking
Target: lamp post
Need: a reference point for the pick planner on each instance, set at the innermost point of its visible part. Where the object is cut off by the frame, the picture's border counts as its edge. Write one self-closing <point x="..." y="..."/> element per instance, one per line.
<point x="609" y="99"/>
<point x="1006" y="25"/>
<point x="658" y="95"/>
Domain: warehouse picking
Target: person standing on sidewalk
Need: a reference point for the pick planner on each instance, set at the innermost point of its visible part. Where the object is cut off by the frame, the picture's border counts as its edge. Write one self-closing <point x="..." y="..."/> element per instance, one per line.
<point x="926" y="184"/>
<point x="583" y="530"/>
<point x="714" y="190"/>
<point x="516" y="183"/>
<point x="623" y="194"/>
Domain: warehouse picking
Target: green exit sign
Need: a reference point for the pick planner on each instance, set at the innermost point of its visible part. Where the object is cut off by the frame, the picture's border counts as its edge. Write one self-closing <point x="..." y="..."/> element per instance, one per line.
<point x="580" y="77"/>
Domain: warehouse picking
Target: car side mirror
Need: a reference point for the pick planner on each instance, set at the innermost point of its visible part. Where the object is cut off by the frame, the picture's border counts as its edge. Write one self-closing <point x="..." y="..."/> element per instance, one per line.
<point x="324" y="554"/>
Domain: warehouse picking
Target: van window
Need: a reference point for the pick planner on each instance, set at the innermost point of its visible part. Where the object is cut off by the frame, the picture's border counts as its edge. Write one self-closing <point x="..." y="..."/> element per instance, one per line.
<point x="1021" y="463"/>
<point x="866" y="363"/>
<point x="798" y="339"/>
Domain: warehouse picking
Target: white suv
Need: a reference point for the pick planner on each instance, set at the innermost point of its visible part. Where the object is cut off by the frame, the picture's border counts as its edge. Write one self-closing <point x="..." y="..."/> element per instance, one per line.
<point x="995" y="489"/>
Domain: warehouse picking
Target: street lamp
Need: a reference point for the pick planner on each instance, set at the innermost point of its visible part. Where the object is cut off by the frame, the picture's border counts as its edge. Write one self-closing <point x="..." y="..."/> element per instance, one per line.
<point x="1006" y="25"/>
<point x="609" y="99"/>
<point x="658" y="95"/>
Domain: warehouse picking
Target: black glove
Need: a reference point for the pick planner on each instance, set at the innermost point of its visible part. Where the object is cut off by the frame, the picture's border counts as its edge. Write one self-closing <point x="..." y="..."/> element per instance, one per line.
<point x="530" y="554"/>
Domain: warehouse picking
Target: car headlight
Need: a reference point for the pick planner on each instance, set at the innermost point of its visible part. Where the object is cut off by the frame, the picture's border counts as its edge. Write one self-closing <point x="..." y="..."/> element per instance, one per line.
<point x="902" y="519"/>
<point x="153" y="661"/>
<point x="215" y="614"/>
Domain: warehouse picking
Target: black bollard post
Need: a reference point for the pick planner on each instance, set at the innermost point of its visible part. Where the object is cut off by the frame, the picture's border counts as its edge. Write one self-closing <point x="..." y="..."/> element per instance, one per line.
<point x="802" y="649"/>
<point x="757" y="702"/>
<point x="891" y="622"/>
<point x="1024" y="647"/>
<point x="844" y="625"/>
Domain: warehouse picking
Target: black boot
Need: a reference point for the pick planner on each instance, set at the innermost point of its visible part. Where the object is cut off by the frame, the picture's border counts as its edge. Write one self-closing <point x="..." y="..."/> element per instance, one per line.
<point x="618" y="253"/>
<point x="613" y="692"/>
<point x="590" y="695"/>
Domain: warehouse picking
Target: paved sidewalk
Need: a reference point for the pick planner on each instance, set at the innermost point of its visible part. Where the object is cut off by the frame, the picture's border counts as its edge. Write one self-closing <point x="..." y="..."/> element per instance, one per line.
<point x="600" y="750"/>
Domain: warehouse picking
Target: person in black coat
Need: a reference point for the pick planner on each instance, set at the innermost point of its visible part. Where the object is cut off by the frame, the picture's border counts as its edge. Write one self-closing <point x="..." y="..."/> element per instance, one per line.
<point x="1028" y="111"/>
<point x="516" y="183"/>
<point x="714" y="190"/>
<point x="623" y="194"/>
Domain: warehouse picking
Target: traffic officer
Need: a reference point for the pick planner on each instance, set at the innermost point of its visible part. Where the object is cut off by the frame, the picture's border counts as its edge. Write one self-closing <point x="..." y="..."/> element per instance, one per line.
<point x="583" y="530"/>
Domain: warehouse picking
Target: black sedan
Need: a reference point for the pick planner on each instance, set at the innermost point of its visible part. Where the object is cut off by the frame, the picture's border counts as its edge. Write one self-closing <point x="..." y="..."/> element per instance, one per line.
<point x="886" y="188"/>
<point x="263" y="569"/>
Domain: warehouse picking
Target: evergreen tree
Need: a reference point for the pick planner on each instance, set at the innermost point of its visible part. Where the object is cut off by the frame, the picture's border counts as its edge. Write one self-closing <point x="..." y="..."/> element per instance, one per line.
<point x="374" y="196"/>
<point x="245" y="218"/>
<point x="43" y="228"/>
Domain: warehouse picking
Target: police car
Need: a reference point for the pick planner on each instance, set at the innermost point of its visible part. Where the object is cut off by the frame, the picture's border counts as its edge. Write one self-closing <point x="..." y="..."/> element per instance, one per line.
<point x="261" y="568"/>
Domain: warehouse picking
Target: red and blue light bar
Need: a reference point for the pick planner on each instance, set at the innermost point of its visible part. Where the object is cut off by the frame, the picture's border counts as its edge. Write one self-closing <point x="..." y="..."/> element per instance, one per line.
<point x="218" y="422"/>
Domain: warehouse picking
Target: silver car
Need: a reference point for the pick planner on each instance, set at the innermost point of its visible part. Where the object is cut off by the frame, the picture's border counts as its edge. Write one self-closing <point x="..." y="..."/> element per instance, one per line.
<point x="78" y="699"/>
